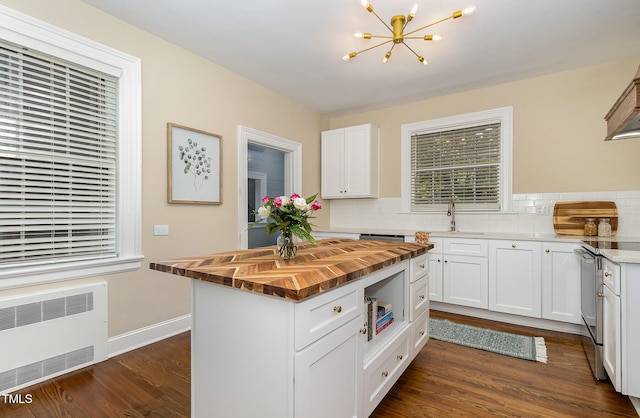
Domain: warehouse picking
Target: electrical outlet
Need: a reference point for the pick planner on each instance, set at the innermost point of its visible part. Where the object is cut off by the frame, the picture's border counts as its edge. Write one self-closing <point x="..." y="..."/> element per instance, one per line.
<point x="542" y="210"/>
<point x="161" y="230"/>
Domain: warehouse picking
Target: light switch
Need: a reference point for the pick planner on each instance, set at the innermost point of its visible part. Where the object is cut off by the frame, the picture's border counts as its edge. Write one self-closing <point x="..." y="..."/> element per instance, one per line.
<point x="161" y="230"/>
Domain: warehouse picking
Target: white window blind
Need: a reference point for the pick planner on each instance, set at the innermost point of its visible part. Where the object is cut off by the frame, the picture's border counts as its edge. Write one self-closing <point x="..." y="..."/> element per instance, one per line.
<point x="462" y="165"/>
<point x="57" y="160"/>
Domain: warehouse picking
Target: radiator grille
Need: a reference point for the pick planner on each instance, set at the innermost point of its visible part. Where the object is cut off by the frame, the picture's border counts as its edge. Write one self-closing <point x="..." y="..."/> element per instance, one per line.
<point x="50" y="333"/>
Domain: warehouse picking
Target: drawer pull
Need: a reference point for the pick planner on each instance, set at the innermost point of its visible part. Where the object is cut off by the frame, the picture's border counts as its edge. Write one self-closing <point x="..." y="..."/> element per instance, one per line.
<point x="363" y="331"/>
<point x="338" y="308"/>
<point x="421" y="333"/>
<point x="421" y="296"/>
<point x="385" y="373"/>
<point x="607" y="274"/>
<point x="513" y="245"/>
<point x="421" y="266"/>
<point x="400" y="357"/>
<point x="547" y="250"/>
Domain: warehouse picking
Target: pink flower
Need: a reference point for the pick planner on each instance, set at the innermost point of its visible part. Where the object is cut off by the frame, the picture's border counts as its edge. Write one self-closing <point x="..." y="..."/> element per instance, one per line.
<point x="266" y="199"/>
<point x="277" y="201"/>
<point x="295" y="196"/>
<point x="316" y="205"/>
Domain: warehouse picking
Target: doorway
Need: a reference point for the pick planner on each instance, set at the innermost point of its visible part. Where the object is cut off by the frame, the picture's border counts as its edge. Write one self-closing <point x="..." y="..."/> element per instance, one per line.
<point x="269" y="165"/>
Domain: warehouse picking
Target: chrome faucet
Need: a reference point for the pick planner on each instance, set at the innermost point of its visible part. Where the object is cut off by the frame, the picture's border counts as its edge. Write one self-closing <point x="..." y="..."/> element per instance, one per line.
<point x="451" y="211"/>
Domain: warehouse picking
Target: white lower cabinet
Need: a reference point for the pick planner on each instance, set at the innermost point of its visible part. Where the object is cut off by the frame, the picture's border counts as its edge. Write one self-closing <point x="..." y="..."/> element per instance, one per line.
<point x="458" y="270"/>
<point x="465" y="281"/>
<point x="560" y="282"/>
<point x="515" y="282"/>
<point x="435" y="261"/>
<point x="328" y="375"/>
<point x="420" y="329"/>
<point x="611" y="336"/>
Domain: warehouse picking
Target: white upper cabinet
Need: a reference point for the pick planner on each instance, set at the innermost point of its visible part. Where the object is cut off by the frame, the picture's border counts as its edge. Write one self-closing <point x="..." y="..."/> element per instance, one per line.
<point x="350" y="162"/>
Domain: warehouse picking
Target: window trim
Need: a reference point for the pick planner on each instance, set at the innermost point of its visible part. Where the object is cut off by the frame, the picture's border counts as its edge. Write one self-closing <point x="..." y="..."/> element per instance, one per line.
<point x="24" y="30"/>
<point x="504" y="115"/>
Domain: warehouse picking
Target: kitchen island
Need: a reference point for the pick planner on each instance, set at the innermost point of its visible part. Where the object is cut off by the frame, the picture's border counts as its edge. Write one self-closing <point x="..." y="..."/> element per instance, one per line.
<point x="291" y="338"/>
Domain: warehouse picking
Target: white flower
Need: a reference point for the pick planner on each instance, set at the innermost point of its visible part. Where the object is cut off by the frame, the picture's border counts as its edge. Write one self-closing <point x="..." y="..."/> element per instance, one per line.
<point x="264" y="212"/>
<point x="300" y="203"/>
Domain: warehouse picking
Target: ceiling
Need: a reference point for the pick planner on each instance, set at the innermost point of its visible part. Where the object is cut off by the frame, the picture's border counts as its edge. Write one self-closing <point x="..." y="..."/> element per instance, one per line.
<point x="295" y="47"/>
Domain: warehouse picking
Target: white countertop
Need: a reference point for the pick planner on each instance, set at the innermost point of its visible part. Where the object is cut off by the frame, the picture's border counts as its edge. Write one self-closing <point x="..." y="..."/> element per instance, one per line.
<point x="617" y="256"/>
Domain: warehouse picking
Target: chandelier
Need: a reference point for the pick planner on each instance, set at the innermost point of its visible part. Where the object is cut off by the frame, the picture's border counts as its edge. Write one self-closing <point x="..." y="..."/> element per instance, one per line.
<point x="397" y="29"/>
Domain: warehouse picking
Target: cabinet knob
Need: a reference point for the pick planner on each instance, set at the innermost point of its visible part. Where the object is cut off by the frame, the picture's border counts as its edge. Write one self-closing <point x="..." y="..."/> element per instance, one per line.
<point x="439" y="261"/>
<point x="421" y="296"/>
<point x="607" y="274"/>
<point x="446" y="261"/>
<point x="363" y="331"/>
<point x="547" y="250"/>
<point x="600" y="294"/>
<point x="421" y="333"/>
<point x="337" y="308"/>
<point x="513" y="245"/>
<point x="421" y="265"/>
<point x="385" y="373"/>
<point x="400" y="357"/>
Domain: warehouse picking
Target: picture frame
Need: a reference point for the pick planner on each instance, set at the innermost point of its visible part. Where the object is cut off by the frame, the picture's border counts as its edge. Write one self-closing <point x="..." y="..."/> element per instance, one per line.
<point x="194" y="166"/>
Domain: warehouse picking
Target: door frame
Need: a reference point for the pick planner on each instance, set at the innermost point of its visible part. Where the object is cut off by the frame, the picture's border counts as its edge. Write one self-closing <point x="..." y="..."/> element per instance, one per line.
<point x="292" y="171"/>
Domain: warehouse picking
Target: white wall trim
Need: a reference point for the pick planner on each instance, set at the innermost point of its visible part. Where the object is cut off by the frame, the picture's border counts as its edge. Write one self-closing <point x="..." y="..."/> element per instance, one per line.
<point x="147" y="335"/>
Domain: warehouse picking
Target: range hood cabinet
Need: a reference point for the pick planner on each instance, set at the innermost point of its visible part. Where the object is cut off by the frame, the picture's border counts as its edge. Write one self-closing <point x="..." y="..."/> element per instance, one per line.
<point x="623" y="120"/>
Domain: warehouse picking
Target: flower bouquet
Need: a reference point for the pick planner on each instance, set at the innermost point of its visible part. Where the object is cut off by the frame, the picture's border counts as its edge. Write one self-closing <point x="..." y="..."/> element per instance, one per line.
<point x="290" y="215"/>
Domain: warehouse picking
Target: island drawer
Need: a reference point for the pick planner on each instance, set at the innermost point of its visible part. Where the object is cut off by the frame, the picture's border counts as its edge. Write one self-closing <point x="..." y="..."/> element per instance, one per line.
<point x="318" y="316"/>
<point x="383" y="371"/>
<point x="419" y="267"/>
<point x="419" y="297"/>
<point x="420" y="329"/>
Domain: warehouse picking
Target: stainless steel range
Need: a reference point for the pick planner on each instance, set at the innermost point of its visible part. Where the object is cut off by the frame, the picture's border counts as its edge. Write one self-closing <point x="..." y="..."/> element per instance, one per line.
<point x="591" y="283"/>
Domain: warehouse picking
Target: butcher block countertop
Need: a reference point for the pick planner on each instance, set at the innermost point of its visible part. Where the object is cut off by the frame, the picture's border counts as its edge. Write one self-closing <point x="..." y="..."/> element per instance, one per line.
<point x="314" y="270"/>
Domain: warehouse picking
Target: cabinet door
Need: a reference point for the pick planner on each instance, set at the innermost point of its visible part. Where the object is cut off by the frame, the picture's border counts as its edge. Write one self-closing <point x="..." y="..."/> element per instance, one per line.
<point x="332" y="167"/>
<point x="560" y="283"/>
<point x="611" y="335"/>
<point x="435" y="259"/>
<point x="515" y="284"/>
<point x="465" y="281"/>
<point x="328" y="375"/>
<point x="361" y="161"/>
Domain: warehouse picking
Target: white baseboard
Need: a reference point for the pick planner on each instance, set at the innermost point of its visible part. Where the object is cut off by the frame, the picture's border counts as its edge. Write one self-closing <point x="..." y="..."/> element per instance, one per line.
<point x="148" y="335"/>
<point x="636" y="403"/>
<point x="509" y="318"/>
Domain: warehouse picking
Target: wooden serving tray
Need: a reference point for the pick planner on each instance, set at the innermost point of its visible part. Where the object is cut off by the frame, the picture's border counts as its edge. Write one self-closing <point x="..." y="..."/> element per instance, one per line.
<point x="569" y="217"/>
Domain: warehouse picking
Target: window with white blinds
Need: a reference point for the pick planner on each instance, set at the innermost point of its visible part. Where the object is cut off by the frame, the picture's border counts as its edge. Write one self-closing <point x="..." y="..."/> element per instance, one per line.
<point x="70" y="155"/>
<point x="57" y="159"/>
<point x="464" y="159"/>
<point x="462" y="165"/>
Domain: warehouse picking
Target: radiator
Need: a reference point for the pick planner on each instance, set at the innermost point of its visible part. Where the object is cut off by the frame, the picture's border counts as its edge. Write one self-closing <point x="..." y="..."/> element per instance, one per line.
<point x="49" y="333"/>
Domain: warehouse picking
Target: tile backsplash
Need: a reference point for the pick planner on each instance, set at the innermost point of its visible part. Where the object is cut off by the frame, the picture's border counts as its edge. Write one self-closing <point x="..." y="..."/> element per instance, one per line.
<point x="531" y="213"/>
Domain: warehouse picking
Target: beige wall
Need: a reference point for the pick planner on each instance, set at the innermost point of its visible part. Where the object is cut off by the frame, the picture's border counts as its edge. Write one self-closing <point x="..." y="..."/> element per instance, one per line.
<point x="558" y="135"/>
<point x="558" y="144"/>
<point x="182" y="88"/>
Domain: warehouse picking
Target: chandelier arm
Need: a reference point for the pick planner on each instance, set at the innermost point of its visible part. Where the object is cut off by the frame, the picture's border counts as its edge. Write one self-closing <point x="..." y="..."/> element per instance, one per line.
<point x="429" y="25"/>
<point x="409" y="48"/>
<point x="383" y="22"/>
<point x="375" y="46"/>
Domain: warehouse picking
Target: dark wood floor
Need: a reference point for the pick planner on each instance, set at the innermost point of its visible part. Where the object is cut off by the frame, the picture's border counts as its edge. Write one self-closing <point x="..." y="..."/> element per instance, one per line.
<point x="445" y="380"/>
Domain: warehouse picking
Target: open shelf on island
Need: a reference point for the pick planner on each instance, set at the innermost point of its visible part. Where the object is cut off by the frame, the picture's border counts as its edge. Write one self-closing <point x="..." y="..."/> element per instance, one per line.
<point x="391" y="290"/>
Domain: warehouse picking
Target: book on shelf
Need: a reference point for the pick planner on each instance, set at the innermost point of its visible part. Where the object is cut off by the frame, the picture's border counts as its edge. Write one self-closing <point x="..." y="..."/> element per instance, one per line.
<point x="384" y="322"/>
<point x="371" y="304"/>
<point x="385" y="325"/>
<point x="383" y="307"/>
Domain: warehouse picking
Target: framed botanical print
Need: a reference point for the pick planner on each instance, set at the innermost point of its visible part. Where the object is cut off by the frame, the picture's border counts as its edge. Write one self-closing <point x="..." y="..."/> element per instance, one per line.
<point x="194" y="172"/>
